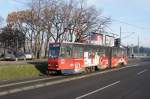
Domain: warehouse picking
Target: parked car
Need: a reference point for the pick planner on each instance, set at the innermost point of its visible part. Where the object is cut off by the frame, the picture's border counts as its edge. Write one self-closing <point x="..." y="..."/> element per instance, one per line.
<point x="17" y="56"/>
<point x="9" y="56"/>
<point x="20" y="56"/>
<point x="1" y="56"/>
<point x="29" y="55"/>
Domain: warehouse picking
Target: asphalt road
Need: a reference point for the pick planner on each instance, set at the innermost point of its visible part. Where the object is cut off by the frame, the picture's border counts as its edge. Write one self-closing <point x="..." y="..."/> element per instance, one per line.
<point x="128" y="83"/>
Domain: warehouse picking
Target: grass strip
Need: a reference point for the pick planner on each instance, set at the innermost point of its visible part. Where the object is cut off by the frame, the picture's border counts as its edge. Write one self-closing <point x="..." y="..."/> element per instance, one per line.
<point x="12" y="72"/>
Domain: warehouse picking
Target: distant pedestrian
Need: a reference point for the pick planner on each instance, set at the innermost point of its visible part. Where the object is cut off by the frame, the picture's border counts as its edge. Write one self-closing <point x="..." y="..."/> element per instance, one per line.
<point x="132" y="55"/>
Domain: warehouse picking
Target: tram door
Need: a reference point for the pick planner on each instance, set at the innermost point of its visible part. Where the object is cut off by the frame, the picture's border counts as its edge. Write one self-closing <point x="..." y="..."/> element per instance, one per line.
<point x="88" y="54"/>
<point x="78" y="57"/>
<point x="109" y="55"/>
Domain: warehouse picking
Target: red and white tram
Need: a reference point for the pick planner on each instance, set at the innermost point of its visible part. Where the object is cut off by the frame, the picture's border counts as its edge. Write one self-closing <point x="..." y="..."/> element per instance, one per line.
<point x="78" y="57"/>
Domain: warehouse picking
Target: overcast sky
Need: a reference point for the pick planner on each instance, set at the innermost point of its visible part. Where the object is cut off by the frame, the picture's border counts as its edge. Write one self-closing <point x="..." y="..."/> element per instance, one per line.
<point x="135" y="12"/>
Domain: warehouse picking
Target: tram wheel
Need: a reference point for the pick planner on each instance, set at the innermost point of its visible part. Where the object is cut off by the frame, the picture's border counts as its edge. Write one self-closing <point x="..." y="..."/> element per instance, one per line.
<point x="96" y="68"/>
<point x="48" y="72"/>
<point x="87" y="69"/>
<point x="93" y="69"/>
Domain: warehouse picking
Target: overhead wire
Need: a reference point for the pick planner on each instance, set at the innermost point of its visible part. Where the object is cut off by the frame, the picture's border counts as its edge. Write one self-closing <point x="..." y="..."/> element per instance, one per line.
<point x="130" y="24"/>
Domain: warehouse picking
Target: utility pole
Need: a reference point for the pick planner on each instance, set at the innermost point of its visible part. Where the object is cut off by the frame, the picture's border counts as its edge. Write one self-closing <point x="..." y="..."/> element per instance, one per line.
<point x="120" y="34"/>
<point x="132" y="49"/>
<point x="138" y="44"/>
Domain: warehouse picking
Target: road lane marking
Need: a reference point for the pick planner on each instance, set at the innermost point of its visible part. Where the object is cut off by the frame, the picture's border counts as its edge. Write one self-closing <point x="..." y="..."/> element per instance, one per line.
<point x="100" y="89"/>
<point x="25" y="82"/>
<point x="136" y="65"/>
<point x="141" y="72"/>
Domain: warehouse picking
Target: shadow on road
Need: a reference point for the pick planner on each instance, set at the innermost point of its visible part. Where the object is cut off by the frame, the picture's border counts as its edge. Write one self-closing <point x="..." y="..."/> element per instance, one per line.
<point x="40" y="66"/>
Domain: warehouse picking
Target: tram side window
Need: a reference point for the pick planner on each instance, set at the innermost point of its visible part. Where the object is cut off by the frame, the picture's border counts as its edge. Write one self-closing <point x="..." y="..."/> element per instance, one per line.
<point x="114" y="52"/>
<point x="124" y="52"/>
<point x="101" y="51"/>
<point x="108" y="51"/>
<point x="88" y="49"/>
<point x="96" y="53"/>
<point x="120" y="52"/>
<point x="66" y="52"/>
<point x="117" y="51"/>
<point x="77" y="52"/>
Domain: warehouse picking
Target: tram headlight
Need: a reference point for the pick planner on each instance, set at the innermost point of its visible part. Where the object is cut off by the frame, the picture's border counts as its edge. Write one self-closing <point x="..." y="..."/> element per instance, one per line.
<point x="49" y="65"/>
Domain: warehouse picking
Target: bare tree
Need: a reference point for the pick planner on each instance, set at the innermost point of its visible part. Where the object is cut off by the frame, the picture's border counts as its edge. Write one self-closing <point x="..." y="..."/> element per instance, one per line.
<point x="30" y="21"/>
<point x="58" y="21"/>
<point x="12" y="39"/>
<point x="1" y="21"/>
<point x="17" y="20"/>
<point x="75" y="18"/>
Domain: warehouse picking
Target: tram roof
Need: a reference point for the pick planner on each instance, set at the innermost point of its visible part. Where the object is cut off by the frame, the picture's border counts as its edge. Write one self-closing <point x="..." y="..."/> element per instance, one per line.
<point x="86" y="44"/>
<point x="77" y="43"/>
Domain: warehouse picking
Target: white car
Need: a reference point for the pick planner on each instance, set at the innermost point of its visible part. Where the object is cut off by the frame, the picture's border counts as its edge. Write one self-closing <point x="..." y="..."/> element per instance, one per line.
<point x="28" y="55"/>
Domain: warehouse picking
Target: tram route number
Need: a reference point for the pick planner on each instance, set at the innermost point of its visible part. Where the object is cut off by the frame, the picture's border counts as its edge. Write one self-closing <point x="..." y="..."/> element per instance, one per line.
<point x="77" y="65"/>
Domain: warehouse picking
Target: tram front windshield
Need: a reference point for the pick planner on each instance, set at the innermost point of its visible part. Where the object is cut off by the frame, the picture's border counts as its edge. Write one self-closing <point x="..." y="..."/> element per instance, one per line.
<point x="54" y="51"/>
